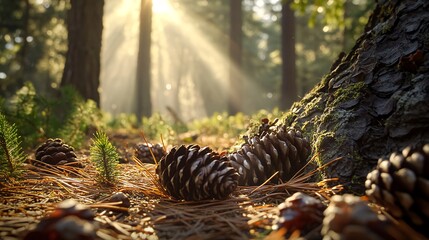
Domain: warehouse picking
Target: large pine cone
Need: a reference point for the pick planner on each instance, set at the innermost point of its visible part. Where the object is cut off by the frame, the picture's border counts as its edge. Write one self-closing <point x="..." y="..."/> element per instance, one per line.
<point x="194" y="173"/>
<point x="299" y="212"/>
<point x="348" y="217"/>
<point x="142" y="152"/>
<point x="55" y="152"/>
<point x="401" y="185"/>
<point x="284" y="150"/>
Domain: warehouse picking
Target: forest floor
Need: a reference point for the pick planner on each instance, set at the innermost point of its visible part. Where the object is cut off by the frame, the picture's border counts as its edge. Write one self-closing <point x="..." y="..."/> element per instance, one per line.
<point x="248" y="213"/>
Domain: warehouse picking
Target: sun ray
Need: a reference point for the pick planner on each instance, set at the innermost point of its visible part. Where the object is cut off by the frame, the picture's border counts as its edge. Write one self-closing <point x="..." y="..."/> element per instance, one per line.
<point x="189" y="61"/>
<point x="161" y="7"/>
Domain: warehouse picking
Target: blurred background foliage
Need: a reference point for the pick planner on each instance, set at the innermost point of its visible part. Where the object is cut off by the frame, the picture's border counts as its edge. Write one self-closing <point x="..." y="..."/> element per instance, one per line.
<point x="324" y="29"/>
<point x="33" y="45"/>
<point x="33" y="39"/>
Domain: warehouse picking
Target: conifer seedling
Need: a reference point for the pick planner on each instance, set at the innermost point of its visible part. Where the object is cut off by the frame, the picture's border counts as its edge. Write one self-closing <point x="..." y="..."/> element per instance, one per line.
<point x="105" y="157"/>
<point x="12" y="156"/>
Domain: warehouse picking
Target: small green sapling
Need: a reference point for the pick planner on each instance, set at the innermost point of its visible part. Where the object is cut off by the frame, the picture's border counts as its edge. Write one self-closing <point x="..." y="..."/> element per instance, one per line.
<point x="105" y="157"/>
<point x="12" y="156"/>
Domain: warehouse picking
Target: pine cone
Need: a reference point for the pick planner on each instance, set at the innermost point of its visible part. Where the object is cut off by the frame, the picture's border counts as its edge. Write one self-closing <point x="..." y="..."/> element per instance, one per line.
<point x="348" y="217"/>
<point x="194" y="173"/>
<point x="142" y="152"/>
<point x="401" y="185"/>
<point x="284" y="150"/>
<point x="299" y="212"/>
<point x="69" y="220"/>
<point x="55" y="152"/>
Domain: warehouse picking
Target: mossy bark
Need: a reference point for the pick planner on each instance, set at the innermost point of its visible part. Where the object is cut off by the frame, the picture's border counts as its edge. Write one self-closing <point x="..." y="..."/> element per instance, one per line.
<point x="375" y="100"/>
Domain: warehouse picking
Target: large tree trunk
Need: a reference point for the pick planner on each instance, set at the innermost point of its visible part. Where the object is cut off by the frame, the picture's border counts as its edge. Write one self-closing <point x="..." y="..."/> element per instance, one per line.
<point x="82" y="68"/>
<point x="144" y="104"/>
<point x="235" y="49"/>
<point x="376" y="98"/>
<point x="288" y="92"/>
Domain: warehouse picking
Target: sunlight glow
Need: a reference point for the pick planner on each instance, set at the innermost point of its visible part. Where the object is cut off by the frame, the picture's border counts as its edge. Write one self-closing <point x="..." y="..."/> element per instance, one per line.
<point x="119" y="55"/>
<point x="189" y="70"/>
<point x="161" y="7"/>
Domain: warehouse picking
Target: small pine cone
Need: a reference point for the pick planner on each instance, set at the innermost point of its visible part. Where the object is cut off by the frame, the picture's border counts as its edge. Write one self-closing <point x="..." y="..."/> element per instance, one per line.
<point x="69" y="220"/>
<point x="401" y="185"/>
<point x="55" y="152"/>
<point x="194" y="173"/>
<point x="285" y="150"/>
<point x="348" y="217"/>
<point x="142" y="152"/>
<point x="299" y="212"/>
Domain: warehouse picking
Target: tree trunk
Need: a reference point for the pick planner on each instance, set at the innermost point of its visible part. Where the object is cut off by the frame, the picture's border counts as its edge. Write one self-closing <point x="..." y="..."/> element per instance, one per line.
<point x="144" y="104"/>
<point x="235" y="49"/>
<point x="23" y="51"/>
<point x="82" y="68"/>
<point x="376" y="98"/>
<point x="288" y="92"/>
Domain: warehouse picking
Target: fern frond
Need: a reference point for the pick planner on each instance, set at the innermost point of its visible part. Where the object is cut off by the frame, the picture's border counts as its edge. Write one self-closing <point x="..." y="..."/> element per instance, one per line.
<point x="12" y="156"/>
<point x="105" y="157"/>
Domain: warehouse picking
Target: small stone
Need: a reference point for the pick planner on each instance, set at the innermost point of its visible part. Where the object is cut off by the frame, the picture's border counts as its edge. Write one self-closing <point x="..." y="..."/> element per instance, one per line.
<point x="120" y="197"/>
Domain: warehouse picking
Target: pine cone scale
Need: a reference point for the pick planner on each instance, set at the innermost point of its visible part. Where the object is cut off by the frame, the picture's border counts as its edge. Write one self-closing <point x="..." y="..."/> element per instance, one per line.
<point x="423" y="187"/>
<point x="406" y="179"/>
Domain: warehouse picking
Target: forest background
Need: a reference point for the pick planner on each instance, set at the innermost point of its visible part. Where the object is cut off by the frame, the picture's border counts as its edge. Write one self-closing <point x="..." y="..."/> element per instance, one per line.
<point x="190" y="51"/>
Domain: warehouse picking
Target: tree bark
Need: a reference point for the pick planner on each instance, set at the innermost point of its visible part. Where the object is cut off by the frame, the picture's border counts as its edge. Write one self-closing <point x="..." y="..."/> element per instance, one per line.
<point x="143" y="85"/>
<point x="235" y="49"/>
<point x="288" y="94"/>
<point x="82" y="67"/>
<point x="376" y="98"/>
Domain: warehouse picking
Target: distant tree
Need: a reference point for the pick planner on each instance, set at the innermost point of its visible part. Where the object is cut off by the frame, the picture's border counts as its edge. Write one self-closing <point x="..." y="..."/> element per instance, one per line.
<point x="23" y="50"/>
<point x="144" y="104"/>
<point x="235" y="43"/>
<point x="288" y="86"/>
<point x="82" y="67"/>
<point x="14" y="20"/>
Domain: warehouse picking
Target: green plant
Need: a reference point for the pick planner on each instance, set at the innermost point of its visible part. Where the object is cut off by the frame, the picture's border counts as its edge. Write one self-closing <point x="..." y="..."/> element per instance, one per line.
<point x="121" y="121"/>
<point x="83" y="115"/>
<point x="23" y="110"/>
<point x="155" y="126"/>
<point x="63" y="114"/>
<point x="12" y="156"/>
<point x="105" y="157"/>
<point x="221" y="124"/>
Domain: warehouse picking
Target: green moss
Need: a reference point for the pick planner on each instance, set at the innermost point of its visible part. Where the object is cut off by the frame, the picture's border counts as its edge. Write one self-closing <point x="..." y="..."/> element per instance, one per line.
<point x="320" y="118"/>
<point x="317" y="140"/>
<point x="288" y="118"/>
<point x="323" y="82"/>
<point x="352" y="91"/>
<point x="314" y="105"/>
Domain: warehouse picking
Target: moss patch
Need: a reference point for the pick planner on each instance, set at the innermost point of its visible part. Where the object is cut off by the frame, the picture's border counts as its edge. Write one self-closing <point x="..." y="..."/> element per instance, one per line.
<point x="352" y="91"/>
